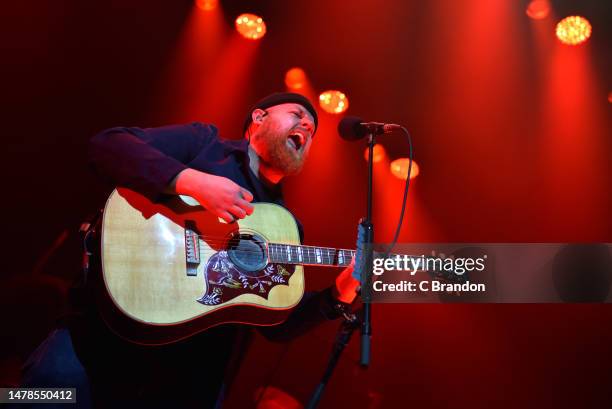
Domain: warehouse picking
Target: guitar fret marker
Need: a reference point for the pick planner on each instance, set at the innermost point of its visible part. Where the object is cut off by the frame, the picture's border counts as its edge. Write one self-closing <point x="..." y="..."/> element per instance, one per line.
<point x="300" y="254"/>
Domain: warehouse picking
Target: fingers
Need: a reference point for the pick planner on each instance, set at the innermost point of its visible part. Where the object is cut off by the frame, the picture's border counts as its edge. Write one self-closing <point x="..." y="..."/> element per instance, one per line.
<point x="352" y="264"/>
<point x="238" y="212"/>
<point x="246" y="195"/>
<point x="227" y="200"/>
<point x="226" y="216"/>
<point x="346" y="286"/>
<point x="246" y="206"/>
<point x="232" y="212"/>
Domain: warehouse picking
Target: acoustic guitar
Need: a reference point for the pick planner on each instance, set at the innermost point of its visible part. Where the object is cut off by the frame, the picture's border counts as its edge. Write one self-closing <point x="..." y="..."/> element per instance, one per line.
<point x="171" y="270"/>
<point x="174" y="269"/>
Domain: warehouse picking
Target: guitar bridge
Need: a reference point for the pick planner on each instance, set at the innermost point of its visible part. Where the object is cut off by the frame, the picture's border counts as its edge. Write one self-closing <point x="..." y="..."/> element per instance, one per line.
<point x="192" y="249"/>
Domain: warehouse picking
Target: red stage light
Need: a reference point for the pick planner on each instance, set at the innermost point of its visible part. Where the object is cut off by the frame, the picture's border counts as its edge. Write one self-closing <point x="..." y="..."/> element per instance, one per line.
<point x="399" y="168"/>
<point x="295" y="78"/>
<point x="207" y="5"/>
<point x="379" y="153"/>
<point x="573" y="30"/>
<point x="334" y="102"/>
<point x="538" y="9"/>
<point x="610" y="97"/>
<point x="250" y="26"/>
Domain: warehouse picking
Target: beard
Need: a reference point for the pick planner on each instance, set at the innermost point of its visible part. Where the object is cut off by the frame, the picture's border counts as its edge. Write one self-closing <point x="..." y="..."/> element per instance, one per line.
<point x="276" y="154"/>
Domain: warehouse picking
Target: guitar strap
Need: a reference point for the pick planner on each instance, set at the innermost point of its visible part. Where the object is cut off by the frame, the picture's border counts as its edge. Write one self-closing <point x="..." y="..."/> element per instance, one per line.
<point x="80" y="292"/>
<point x="90" y="232"/>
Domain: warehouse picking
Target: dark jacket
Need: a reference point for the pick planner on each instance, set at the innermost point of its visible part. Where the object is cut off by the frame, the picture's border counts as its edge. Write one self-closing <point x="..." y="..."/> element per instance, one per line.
<point x="146" y="161"/>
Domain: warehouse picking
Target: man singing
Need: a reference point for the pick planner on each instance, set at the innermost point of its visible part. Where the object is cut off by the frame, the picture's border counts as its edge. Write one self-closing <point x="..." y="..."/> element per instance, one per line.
<point x="225" y="177"/>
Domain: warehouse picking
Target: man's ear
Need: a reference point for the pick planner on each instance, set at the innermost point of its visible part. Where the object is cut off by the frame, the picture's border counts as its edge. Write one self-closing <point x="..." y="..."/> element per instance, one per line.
<point x="258" y="115"/>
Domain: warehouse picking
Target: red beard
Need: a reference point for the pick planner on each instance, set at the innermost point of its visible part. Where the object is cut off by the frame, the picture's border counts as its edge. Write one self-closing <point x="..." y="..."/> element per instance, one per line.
<point x="277" y="155"/>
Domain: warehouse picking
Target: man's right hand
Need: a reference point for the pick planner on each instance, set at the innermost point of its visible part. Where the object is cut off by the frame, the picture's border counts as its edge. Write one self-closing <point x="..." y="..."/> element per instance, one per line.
<point x="218" y="194"/>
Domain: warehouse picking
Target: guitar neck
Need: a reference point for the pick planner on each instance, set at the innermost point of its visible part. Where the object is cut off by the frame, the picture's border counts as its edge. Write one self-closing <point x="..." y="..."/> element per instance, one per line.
<point x="315" y="256"/>
<point x="309" y="255"/>
<point x="312" y="255"/>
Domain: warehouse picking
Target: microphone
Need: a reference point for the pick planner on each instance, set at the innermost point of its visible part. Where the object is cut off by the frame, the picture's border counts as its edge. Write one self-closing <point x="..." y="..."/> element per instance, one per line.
<point x="353" y="128"/>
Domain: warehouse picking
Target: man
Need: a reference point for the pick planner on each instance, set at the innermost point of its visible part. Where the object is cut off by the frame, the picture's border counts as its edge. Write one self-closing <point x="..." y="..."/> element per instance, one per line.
<point x="280" y="138"/>
<point x="224" y="177"/>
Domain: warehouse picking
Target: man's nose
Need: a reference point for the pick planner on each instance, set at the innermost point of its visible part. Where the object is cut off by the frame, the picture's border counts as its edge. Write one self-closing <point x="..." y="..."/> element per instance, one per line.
<point x="308" y="125"/>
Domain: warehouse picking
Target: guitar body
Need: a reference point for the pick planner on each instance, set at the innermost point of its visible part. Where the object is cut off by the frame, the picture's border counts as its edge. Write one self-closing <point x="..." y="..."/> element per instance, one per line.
<point x="172" y="270"/>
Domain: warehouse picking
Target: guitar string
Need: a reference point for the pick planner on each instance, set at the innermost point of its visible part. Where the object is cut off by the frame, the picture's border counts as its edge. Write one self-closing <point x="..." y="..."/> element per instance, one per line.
<point x="222" y="240"/>
<point x="309" y="252"/>
<point x="329" y="264"/>
<point x="277" y="252"/>
<point x="284" y="257"/>
<point x="285" y="261"/>
<point x="282" y="247"/>
<point x="218" y="240"/>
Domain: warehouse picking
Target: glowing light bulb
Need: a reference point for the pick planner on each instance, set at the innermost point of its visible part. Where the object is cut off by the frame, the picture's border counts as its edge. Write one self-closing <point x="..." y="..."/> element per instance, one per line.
<point x="538" y="9"/>
<point x="334" y="102"/>
<point x="399" y="168"/>
<point x="573" y="30"/>
<point x="378" y="154"/>
<point x="295" y="78"/>
<point x="250" y="26"/>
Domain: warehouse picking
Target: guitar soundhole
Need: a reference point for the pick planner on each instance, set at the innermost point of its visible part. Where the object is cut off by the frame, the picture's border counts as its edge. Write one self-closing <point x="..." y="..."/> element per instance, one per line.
<point x="248" y="251"/>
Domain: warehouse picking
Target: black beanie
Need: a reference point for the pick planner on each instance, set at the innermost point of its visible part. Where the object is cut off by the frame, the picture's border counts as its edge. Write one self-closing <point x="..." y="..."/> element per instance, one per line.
<point x="281" y="98"/>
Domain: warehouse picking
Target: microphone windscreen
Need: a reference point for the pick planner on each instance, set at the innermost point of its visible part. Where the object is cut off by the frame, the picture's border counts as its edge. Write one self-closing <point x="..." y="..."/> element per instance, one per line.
<point x="350" y="128"/>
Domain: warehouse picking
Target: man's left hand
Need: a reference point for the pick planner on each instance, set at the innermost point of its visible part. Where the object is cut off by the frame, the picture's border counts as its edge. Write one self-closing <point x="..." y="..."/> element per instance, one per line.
<point x="346" y="286"/>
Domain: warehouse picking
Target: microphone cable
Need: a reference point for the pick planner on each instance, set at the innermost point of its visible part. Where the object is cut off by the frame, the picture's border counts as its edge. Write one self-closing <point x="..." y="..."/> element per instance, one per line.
<point x="404" y="199"/>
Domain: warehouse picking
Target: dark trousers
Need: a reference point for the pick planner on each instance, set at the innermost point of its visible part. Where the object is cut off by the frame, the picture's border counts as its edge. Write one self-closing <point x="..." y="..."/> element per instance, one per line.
<point x="111" y="373"/>
<point x="54" y="364"/>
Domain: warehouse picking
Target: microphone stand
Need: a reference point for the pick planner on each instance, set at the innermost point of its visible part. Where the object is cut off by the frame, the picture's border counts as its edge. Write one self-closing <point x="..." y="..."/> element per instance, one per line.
<point x="366" y="278"/>
<point x="349" y="323"/>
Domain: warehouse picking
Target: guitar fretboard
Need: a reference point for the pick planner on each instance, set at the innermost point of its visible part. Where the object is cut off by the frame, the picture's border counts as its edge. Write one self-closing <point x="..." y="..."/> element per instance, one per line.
<point x="309" y="255"/>
<point x="327" y="256"/>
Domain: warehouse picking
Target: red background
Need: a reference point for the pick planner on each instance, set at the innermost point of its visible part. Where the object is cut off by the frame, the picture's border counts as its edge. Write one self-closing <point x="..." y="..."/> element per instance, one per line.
<point x="511" y="131"/>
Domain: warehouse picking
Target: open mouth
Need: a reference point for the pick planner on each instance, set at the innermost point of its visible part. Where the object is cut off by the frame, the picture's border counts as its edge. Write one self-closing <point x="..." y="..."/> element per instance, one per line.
<point x="295" y="141"/>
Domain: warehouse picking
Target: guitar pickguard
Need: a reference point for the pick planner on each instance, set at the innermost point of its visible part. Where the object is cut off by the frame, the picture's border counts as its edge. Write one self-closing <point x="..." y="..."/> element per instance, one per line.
<point x="226" y="281"/>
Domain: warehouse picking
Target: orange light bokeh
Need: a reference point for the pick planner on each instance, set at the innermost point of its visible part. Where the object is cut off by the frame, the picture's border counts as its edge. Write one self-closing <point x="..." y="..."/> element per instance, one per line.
<point x="250" y="26"/>
<point x="538" y="9"/>
<point x="207" y="5"/>
<point x="271" y="397"/>
<point x="333" y="102"/>
<point x="573" y="30"/>
<point x="379" y="153"/>
<point x="295" y="78"/>
<point x="399" y="168"/>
